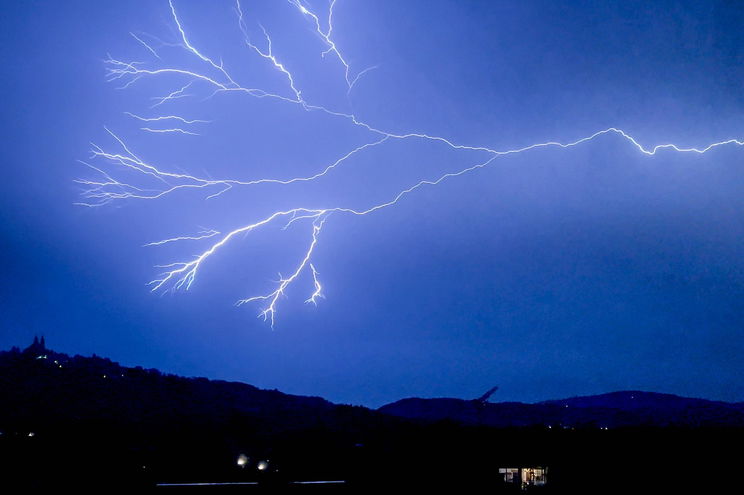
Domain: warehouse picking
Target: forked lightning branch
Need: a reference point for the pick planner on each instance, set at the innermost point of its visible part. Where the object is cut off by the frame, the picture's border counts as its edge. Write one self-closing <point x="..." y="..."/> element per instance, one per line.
<point x="209" y="75"/>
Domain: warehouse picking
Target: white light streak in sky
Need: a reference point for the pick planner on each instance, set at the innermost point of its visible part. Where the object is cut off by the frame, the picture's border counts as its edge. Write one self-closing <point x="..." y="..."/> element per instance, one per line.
<point x="181" y="275"/>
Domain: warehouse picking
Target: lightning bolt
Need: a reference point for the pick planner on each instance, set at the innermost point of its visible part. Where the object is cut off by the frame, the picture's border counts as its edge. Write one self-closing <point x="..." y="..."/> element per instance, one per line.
<point x="148" y="47"/>
<point x="204" y="234"/>
<point x="270" y="310"/>
<point x="318" y="288"/>
<point x="157" y="182"/>
<point x="326" y="37"/>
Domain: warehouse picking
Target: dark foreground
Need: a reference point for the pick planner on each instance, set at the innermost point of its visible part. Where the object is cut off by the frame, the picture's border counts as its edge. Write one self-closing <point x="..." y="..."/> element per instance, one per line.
<point x="435" y="456"/>
<point x="87" y="423"/>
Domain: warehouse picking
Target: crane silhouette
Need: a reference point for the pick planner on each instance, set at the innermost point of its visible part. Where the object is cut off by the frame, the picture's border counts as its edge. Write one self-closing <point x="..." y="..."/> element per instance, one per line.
<point x="484" y="398"/>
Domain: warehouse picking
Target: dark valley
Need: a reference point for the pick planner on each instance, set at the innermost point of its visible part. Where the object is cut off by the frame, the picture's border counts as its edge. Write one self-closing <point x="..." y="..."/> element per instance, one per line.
<point x="89" y="422"/>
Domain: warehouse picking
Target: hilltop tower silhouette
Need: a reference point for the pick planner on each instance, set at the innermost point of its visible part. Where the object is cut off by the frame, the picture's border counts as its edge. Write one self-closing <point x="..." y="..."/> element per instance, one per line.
<point x="38" y="346"/>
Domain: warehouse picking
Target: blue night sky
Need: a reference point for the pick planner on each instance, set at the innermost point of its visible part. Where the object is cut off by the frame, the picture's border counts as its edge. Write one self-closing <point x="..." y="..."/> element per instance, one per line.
<point x="551" y="273"/>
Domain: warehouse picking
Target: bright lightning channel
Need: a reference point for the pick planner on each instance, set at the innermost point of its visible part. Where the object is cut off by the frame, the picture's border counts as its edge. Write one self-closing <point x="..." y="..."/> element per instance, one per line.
<point x="181" y="275"/>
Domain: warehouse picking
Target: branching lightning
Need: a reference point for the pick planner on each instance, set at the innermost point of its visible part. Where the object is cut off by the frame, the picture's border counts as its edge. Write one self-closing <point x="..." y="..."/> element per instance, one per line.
<point x="160" y="182"/>
<point x="204" y="234"/>
<point x="149" y="48"/>
<point x="270" y="310"/>
<point x="326" y="37"/>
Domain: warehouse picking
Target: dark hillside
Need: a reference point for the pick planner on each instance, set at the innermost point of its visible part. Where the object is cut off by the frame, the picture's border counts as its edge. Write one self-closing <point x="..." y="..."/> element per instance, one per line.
<point x="88" y="422"/>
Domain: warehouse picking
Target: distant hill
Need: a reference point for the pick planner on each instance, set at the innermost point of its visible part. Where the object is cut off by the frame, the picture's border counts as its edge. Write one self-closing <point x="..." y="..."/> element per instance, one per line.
<point x="88" y="422"/>
<point x="617" y="409"/>
<point x="88" y="418"/>
<point x="39" y="386"/>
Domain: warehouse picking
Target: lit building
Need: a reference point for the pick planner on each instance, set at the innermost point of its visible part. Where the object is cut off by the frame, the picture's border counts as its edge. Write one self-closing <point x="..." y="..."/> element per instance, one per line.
<point x="525" y="477"/>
